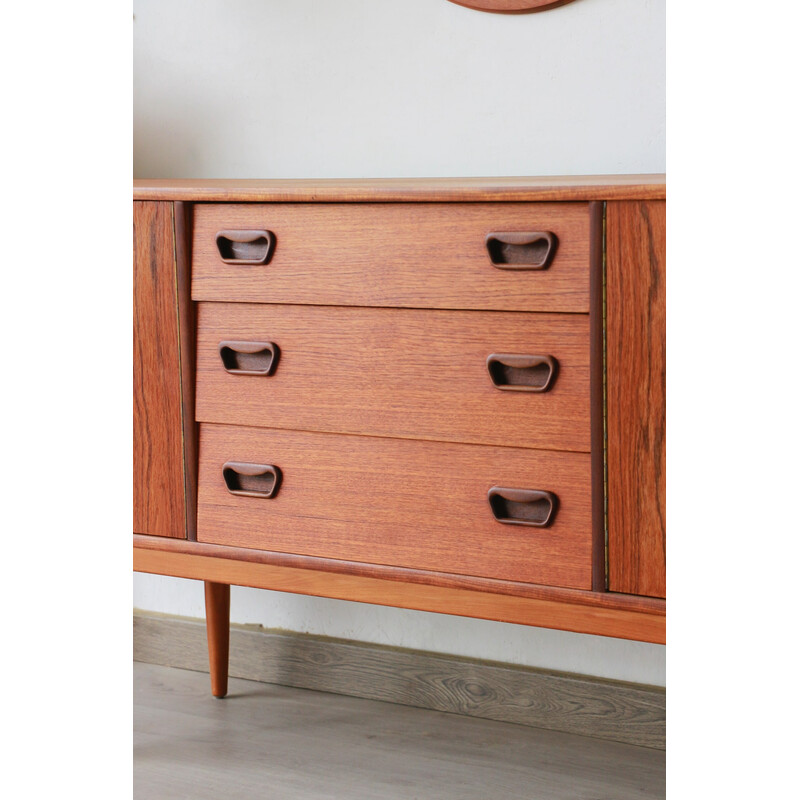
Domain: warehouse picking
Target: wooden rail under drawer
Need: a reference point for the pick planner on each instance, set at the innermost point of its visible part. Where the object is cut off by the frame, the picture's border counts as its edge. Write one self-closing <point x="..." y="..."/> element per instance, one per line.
<point x="600" y="613"/>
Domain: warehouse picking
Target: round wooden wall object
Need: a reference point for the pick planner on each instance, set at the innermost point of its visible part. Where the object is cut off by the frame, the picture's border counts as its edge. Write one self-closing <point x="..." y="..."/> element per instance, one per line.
<point x="510" y="6"/>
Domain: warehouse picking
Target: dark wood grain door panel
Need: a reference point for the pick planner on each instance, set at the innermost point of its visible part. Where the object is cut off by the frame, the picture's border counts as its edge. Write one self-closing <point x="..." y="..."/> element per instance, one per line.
<point x="636" y="364"/>
<point x="159" y="500"/>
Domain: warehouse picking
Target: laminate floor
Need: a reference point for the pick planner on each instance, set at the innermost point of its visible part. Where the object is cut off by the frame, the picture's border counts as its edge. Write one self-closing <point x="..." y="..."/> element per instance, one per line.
<point x="267" y="741"/>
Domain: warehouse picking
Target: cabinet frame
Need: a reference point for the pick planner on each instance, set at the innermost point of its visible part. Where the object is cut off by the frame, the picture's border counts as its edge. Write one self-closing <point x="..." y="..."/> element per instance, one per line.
<point x="627" y="595"/>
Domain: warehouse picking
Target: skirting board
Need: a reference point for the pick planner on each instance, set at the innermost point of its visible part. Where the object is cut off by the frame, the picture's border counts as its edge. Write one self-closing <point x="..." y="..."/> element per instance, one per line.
<point x="614" y="710"/>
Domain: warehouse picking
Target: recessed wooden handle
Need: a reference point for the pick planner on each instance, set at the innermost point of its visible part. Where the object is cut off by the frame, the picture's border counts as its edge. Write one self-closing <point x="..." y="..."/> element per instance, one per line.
<point x="251" y="480"/>
<point x="532" y="507"/>
<point x="522" y="250"/>
<point x="522" y="373"/>
<point x="249" y="358"/>
<point x="245" y="247"/>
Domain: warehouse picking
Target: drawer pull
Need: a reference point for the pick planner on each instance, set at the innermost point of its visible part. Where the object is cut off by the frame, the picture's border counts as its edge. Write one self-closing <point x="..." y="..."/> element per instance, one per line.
<point x="520" y="373"/>
<point x="523" y="506"/>
<point x="249" y="358"/>
<point x="245" y="247"/>
<point x="251" y="480"/>
<point x="522" y="251"/>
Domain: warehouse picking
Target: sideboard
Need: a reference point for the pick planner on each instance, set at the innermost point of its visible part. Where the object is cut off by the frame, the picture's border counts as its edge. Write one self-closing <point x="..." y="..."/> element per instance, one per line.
<point x="444" y="394"/>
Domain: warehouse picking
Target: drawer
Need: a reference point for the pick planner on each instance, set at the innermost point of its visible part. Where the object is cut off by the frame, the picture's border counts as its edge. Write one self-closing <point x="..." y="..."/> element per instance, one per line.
<point x="413" y="373"/>
<point x="420" y="255"/>
<point x="406" y="503"/>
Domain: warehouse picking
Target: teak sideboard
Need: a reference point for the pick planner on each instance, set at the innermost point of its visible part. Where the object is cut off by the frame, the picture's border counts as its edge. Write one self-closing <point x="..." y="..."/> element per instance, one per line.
<point x="445" y="395"/>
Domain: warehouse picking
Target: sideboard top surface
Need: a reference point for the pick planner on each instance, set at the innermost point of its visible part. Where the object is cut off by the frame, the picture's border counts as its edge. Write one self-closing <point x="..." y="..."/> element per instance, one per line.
<point x="405" y="190"/>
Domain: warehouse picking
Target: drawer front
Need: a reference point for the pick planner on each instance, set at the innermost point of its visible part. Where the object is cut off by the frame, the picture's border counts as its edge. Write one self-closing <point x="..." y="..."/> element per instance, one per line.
<point x="414" y="504"/>
<point x="421" y="255"/>
<point x="410" y="373"/>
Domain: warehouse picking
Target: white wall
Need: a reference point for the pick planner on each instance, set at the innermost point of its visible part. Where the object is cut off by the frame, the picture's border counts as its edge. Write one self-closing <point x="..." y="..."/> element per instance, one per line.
<point x="377" y="88"/>
<point x="371" y="88"/>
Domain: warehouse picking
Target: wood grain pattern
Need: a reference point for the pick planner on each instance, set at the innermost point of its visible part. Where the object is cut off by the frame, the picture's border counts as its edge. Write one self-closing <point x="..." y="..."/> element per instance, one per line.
<point x="604" y="709"/>
<point x="400" y="502"/>
<point x="187" y="330"/>
<point x="559" y="614"/>
<point x="569" y="188"/>
<point x="577" y="597"/>
<point x="397" y="372"/>
<point x="394" y="254"/>
<point x="636" y="363"/>
<point x="292" y="744"/>
<point x="218" y="609"/>
<point x="158" y="480"/>
<point x="436" y="571"/>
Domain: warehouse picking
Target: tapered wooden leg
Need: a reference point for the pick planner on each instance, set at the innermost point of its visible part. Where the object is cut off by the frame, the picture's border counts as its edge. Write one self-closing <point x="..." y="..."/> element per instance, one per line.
<point x="218" y="610"/>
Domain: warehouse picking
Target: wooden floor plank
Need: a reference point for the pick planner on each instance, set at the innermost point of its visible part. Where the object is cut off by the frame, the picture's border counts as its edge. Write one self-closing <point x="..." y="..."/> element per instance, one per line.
<point x="270" y="741"/>
<point x="615" y="710"/>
